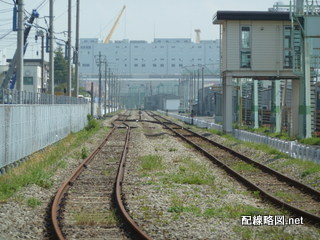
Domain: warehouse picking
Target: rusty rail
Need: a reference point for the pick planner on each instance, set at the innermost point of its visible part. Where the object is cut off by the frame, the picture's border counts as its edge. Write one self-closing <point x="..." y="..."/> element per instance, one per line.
<point x="57" y="203"/>
<point x="305" y="188"/>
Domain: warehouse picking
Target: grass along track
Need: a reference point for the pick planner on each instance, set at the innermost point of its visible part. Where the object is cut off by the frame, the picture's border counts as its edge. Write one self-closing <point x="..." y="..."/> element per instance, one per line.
<point x="298" y="198"/>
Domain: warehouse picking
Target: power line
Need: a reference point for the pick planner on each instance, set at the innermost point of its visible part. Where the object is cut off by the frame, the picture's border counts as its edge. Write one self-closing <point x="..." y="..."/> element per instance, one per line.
<point x="2" y="37"/>
<point x="6" y="2"/>
<point x="41" y="5"/>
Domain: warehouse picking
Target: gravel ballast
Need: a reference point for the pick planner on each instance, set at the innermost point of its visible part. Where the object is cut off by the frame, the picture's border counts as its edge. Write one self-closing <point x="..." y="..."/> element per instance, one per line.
<point x="169" y="209"/>
<point x="168" y="200"/>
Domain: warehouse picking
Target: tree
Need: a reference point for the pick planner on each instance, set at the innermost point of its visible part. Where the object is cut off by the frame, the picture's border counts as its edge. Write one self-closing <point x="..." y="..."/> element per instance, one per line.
<point x="60" y="67"/>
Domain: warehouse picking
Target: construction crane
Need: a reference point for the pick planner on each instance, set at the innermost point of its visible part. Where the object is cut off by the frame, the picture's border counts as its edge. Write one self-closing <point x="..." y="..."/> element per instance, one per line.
<point x="107" y="40"/>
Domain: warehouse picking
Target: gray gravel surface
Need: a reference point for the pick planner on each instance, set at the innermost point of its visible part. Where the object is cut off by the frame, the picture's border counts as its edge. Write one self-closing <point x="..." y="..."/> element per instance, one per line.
<point x="166" y="206"/>
<point x="170" y="209"/>
<point x="18" y="220"/>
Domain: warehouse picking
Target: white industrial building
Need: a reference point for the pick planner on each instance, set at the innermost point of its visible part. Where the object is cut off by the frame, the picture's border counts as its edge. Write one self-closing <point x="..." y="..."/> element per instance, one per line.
<point x="162" y="58"/>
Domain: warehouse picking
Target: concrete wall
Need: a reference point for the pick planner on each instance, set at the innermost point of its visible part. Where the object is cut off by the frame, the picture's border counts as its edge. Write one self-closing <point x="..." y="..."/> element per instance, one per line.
<point x="25" y="129"/>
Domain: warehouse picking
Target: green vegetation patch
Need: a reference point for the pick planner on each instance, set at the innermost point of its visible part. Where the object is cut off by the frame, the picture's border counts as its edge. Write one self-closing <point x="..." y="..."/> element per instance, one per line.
<point x="84" y="153"/>
<point x="95" y="218"/>
<point x="42" y="165"/>
<point x="243" y="166"/>
<point x="151" y="163"/>
<point x="33" y="202"/>
<point x="235" y="211"/>
<point x="288" y="196"/>
<point x="190" y="172"/>
<point x="270" y="232"/>
<point x="216" y="132"/>
<point x="178" y="205"/>
<point x="307" y="167"/>
<point x="311" y="141"/>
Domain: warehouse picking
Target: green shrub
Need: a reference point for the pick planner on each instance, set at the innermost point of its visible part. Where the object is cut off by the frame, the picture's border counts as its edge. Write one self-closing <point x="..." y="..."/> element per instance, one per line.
<point x="92" y="123"/>
<point x="84" y="153"/>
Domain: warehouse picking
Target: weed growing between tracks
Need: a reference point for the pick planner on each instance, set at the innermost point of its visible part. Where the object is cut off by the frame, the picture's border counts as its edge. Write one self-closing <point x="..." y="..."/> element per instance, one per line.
<point x="90" y="218"/>
<point x="42" y="165"/>
<point x="303" y="170"/>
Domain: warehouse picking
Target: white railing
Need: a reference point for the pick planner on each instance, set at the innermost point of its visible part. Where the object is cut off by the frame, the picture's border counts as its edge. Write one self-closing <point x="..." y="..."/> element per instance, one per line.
<point x="292" y="148"/>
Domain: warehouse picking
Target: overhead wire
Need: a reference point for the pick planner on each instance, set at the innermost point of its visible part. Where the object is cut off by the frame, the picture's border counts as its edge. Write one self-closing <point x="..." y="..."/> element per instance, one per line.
<point x="41" y="5"/>
<point x="6" y="2"/>
<point x="2" y="37"/>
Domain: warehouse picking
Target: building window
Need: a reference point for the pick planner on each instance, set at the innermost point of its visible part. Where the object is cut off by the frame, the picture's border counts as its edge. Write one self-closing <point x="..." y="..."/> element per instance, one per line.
<point x="85" y="65"/>
<point x="173" y="65"/>
<point x="245" y="37"/>
<point x="136" y="65"/>
<point x="245" y="47"/>
<point x="154" y="65"/>
<point x="245" y="59"/>
<point x="161" y="65"/>
<point x="28" y="80"/>
<point x="143" y="65"/>
<point x="287" y="44"/>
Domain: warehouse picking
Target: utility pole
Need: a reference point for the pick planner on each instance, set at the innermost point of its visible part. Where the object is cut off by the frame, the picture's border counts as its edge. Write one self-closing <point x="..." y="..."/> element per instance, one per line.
<point x="112" y="91"/>
<point x="76" y="87"/>
<point x="51" y="54"/>
<point x="20" y="43"/>
<point x="99" y="62"/>
<point x="40" y="33"/>
<point x="202" y="100"/>
<point x="198" y="92"/>
<point x="105" y="86"/>
<point x="92" y="100"/>
<point x="100" y="86"/>
<point x="69" y="50"/>
<point x="109" y="91"/>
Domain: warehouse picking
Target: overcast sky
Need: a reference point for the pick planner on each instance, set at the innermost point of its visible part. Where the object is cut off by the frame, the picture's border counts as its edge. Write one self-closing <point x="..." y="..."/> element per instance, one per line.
<point x="142" y="19"/>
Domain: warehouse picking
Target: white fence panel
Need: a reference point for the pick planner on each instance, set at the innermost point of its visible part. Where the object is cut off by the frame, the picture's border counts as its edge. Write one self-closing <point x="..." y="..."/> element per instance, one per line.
<point x="292" y="148"/>
<point x="25" y="129"/>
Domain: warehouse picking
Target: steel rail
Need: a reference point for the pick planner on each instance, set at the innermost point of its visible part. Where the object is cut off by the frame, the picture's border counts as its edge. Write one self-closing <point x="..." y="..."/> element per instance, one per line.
<point x="57" y="202"/>
<point x="118" y="192"/>
<point x="305" y="188"/>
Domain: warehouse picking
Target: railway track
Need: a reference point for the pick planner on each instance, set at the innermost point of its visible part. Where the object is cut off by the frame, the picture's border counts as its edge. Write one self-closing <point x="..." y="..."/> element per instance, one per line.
<point x="87" y="205"/>
<point x="300" y="199"/>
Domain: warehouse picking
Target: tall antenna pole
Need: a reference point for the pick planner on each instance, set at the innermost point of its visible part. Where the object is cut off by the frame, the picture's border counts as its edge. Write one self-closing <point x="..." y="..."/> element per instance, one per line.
<point x="20" y="43"/>
<point x="76" y="87"/>
<point x="51" y="54"/>
<point x="69" y="50"/>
